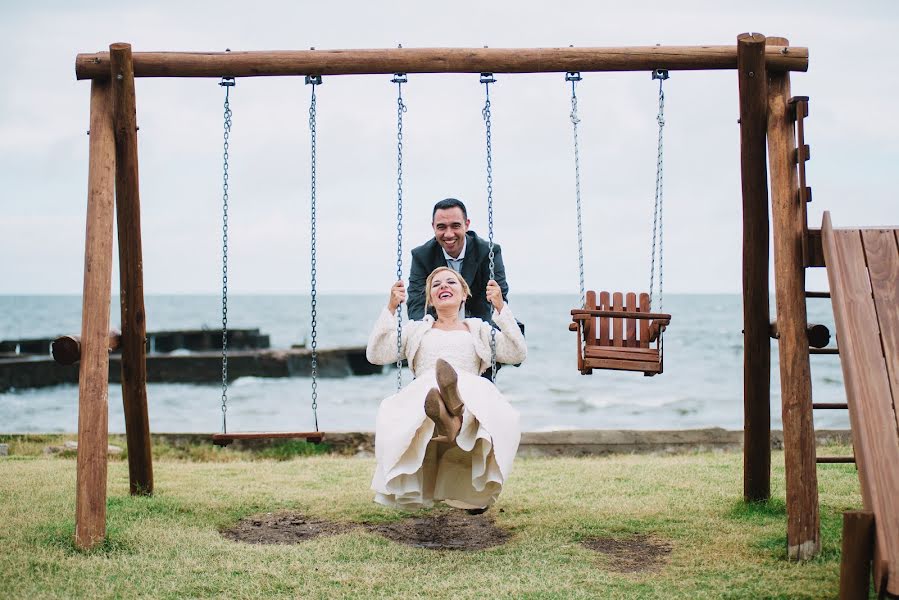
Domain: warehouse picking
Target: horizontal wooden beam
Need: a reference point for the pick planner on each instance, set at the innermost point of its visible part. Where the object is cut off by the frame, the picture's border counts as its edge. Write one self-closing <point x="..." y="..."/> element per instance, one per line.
<point x="436" y="60"/>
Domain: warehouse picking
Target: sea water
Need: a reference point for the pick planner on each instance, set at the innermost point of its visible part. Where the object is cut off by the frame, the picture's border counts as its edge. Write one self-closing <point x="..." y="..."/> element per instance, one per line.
<point x="702" y="385"/>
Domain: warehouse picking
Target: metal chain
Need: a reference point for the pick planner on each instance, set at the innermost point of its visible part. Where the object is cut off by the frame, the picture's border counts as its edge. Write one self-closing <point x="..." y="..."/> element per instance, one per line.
<point x="657" y="230"/>
<point x="313" y="81"/>
<point x="574" y="77"/>
<point x="487" y="79"/>
<point x="399" y="79"/>
<point x="227" y="83"/>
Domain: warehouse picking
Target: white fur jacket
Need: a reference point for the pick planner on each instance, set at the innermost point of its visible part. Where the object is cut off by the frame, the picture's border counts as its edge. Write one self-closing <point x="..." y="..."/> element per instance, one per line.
<point x="510" y="345"/>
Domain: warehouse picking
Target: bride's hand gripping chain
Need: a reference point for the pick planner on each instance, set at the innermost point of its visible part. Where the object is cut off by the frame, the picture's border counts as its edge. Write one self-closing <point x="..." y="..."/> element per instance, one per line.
<point x="495" y="295"/>
<point x="397" y="296"/>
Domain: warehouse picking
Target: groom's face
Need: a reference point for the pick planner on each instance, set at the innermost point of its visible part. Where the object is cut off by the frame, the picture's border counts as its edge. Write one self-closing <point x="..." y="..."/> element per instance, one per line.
<point x="450" y="226"/>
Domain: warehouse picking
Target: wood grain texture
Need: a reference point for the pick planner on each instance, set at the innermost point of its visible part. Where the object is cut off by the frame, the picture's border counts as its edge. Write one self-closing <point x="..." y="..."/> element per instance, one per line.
<point x="855" y="559"/>
<point x="867" y="381"/>
<point x="131" y="274"/>
<point x="753" y="88"/>
<point x="435" y="60"/>
<point x="803" y="527"/>
<point x="90" y="495"/>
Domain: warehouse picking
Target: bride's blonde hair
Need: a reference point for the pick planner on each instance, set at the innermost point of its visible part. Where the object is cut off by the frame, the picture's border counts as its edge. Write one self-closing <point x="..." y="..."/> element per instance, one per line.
<point x="465" y="289"/>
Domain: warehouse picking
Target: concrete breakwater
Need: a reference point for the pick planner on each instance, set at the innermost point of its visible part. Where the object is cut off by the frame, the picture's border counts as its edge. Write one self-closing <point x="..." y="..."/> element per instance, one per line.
<point x="195" y="367"/>
<point x="577" y="442"/>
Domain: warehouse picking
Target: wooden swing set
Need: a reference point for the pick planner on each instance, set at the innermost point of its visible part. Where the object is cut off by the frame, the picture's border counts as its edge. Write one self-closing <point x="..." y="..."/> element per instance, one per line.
<point x="768" y="121"/>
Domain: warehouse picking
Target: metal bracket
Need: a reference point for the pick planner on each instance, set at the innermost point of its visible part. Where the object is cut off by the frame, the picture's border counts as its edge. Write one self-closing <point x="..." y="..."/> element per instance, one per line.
<point x="573" y="76"/>
<point x="487" y="78"/>
<point x="660" y="74"/>
<point x="399" y="78"/>
<point x="313" y="79"/>
<point x="227" y="82"/>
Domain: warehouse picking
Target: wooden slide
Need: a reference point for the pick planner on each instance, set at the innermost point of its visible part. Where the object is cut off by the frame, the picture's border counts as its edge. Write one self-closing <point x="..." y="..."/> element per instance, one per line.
<point x="863" y="270"/>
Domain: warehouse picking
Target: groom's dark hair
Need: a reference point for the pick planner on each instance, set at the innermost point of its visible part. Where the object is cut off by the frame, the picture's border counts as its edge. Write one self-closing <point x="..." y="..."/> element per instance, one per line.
<point x="449" y="203"/>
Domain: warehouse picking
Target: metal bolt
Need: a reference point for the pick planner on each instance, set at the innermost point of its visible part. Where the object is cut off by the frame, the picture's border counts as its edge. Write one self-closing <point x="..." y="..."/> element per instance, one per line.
<point x="120" y="77"/>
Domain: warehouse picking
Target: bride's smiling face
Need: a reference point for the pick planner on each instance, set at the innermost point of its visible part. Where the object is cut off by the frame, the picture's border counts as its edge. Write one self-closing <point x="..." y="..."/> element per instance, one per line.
<point x="446" y="290"/>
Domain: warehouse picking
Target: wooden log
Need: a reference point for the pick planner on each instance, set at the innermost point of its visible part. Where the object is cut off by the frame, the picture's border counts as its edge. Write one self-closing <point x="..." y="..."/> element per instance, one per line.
<point x="131" y="275"/>
<point x="66" y="349"/>
<point x="93" y="426"/>
<point x="803" y="527"/>
<point x="753" y="83"/>
<point x="435" y="60"/>
<point x="858" y="550"/>
<point x="818" y="335"/>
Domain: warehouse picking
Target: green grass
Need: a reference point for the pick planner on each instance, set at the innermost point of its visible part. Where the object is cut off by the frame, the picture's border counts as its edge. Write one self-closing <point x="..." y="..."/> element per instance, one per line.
<point x="168" y="546"/>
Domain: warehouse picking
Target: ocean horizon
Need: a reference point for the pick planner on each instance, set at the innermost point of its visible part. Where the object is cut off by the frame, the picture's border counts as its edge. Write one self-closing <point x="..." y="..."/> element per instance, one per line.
<point x="702" y="385"/>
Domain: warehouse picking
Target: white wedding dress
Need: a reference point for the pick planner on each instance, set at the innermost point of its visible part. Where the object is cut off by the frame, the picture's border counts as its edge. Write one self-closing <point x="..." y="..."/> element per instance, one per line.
<point x="413" y="472"/>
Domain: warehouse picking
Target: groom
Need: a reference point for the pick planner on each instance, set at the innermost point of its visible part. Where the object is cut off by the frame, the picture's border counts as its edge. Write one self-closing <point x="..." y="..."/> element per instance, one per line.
<point x="455" y="246"/>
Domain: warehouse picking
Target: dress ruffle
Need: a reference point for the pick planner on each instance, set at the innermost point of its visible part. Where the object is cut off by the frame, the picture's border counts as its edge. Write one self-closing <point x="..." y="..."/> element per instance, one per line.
<point x="410" y="474"/>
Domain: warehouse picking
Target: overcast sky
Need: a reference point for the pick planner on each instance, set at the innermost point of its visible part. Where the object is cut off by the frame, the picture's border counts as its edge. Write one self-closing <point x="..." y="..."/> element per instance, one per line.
<point x="853" y="131"/>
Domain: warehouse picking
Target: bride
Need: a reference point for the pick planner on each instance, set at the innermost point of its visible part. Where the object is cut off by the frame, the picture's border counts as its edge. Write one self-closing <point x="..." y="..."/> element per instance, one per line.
<point x="449" y="434"/>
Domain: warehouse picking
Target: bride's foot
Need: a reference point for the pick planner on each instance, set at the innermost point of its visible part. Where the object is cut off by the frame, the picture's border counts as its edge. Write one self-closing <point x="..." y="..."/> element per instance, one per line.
<point x="447" y="381"/>
<point x="447" y="426"/>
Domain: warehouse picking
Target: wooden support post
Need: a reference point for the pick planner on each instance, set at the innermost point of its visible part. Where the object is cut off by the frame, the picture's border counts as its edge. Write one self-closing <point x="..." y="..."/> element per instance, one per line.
<point x="131" y="275"/>
<point x="752" y="77"/>
<point x="93" y="383"/>
<point x="858" y="550"/>
<point x="803" y="528"/>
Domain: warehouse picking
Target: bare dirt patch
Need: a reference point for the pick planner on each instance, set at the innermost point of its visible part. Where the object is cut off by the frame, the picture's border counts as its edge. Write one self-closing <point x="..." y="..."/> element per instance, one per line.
<point x="282" y="527"/>
<point x="636" y="554"/>
<point x="451" y="530"/>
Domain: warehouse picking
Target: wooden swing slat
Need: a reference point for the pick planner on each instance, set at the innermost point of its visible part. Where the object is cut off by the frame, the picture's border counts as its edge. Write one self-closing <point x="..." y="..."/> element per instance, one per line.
<point x="644" y="324"/>
<point x="603" y="322"/>
<point x="617" y="306"/>
<point x="224" y="439"/>
<point x="623" y="365"/>
<point x="622" y="353"/>
<point x="631" y="324"/>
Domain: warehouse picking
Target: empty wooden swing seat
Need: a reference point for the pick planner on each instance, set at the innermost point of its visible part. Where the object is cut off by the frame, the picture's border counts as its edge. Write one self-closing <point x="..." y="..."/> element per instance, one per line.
<point x="616" y="333"/>
<point x="225" y="439"/>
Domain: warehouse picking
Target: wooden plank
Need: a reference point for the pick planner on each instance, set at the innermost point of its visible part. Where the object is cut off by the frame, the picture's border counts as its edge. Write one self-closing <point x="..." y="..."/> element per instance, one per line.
<point x="590" y="324"/>
<point x="803" y="527"/>
<point x="617" y="323"/>
<point x="882" y="257"/>
<point x="855" y="561"/>
<point x="622" y="353"/>
<point x="644" y="325"/>
<point x="224" y="439"/>
<point x="623" y="365"/>
<point x="631" y="324"/>
<point x="620" y="314"/>
<point x="435" y="60"/>
<point x="875" y="438"/>
<point x="93" y="389"/>
<point x="131" y="274"/>
<point x="815" y="256"/>
<point x="604" y="304"/>
<point x="800" y="108"/>
<point x="752" y="78"/>
<point x="589" y="329"/>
